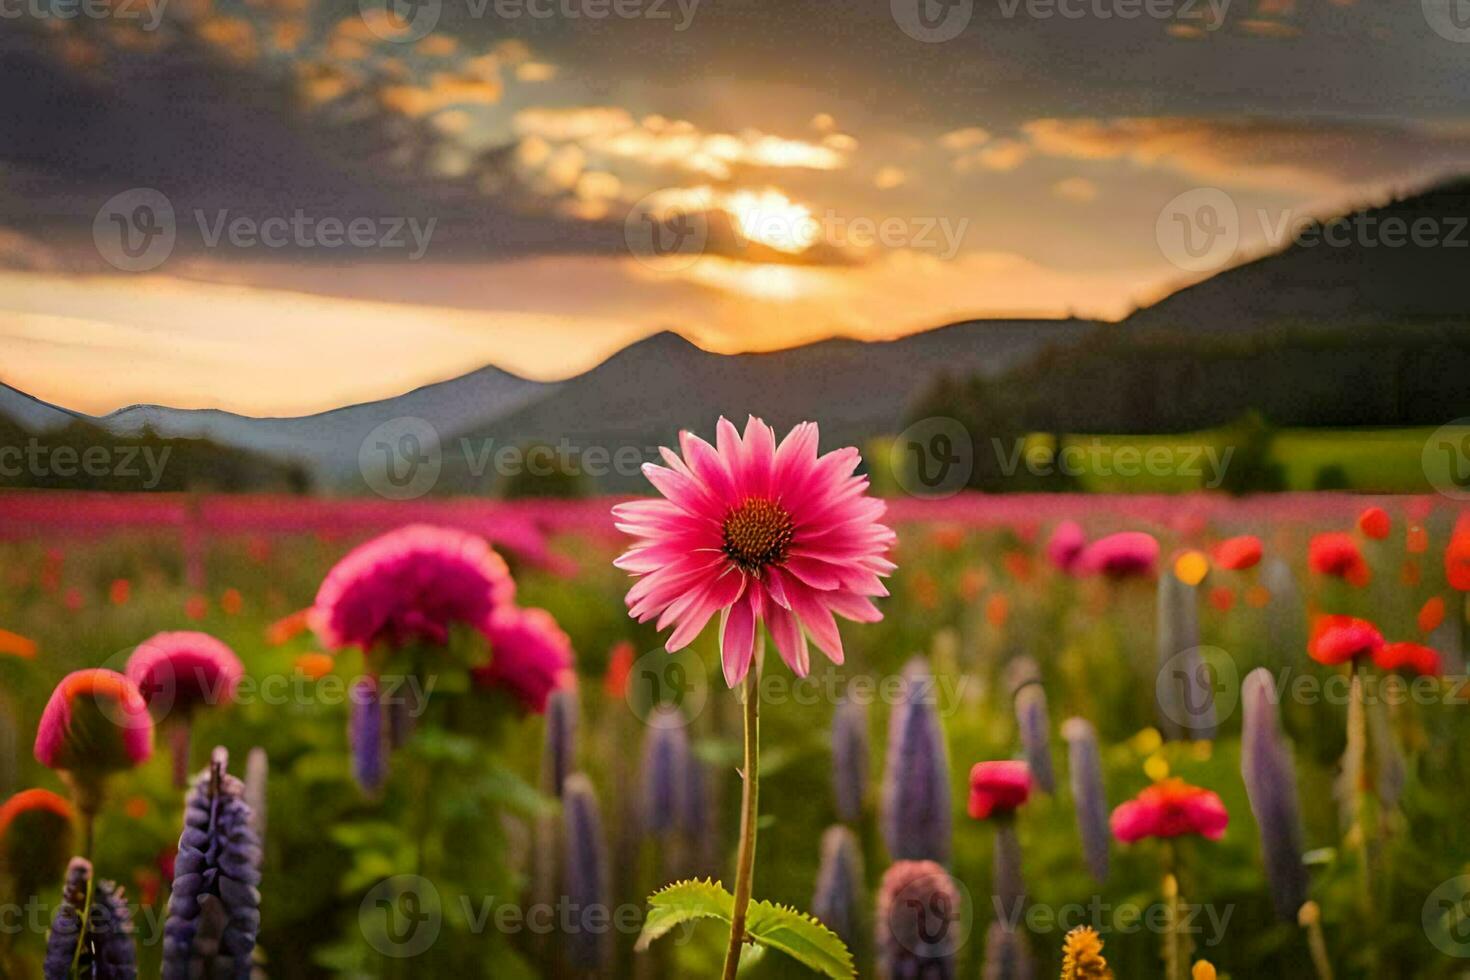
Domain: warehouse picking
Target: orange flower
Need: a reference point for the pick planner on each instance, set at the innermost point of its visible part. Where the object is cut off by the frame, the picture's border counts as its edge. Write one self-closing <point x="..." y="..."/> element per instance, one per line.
<point x="1335" y="553"/>
<point x="1019" y="566"/>
<point x="973" y="582"/>
<point x="314" y="665"/>
<point x="1375" y="523"/>
<point x="287" y="628"/>
<point x="231" y="602"/>
<point x="1457" y="555"/>
<point x="998" y="610"/>
<point x="948" y="537"/>
<point x="1222" y="598"/>
<point x="1258" y="597"/>
<point x="136" y="807"/>
<point x="1238" y="553"/>
<point x="619" y="666"/>
<point x="119" y="592"/>
<point x="1416" y="540"/>
<point x="196" y="607"/>
<point x="29" y="801"/>
<point x="1431" y="614"/>
<point x="17" y="646"/>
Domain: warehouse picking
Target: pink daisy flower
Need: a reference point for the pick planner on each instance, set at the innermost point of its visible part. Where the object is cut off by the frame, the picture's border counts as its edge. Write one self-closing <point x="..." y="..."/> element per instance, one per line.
<point x="96" y="721"/>
<point x="185" y="670"/>
<point x="760" y="533"/>
<point x="530" y="655"/>
<point x="411" y="584"/>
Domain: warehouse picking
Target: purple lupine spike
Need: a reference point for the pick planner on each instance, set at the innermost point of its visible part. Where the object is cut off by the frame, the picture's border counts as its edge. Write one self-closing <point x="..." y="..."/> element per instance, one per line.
<point x="257" y="776"/>
<point x="1185" y="690"/>
<point x="559" y="750"/>
<point x="1270" y="781"/>
<point x="585" y="877"/>
<point x="365" y="736"/>
<point x="916" y="814"/>
<point x="665" y="763"/>
<point x="694" y="811"/>
<point x="1023" y="677"/>
<point x="1007" y="956"/>
<point x="1085" y="765"/>
<point x="108" y="951"/>
<point x="850" y="759"/>
<point x="838" y="899"/>
<point x="918" y="911"/>
<point x="214" y="908"/>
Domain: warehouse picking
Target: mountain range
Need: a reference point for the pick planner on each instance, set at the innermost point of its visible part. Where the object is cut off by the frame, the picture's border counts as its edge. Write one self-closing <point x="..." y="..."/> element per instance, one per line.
<point x="642" y="395"/>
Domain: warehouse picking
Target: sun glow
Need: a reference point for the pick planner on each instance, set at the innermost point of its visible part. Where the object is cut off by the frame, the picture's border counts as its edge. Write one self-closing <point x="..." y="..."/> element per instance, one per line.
<point x="770" y="218"/>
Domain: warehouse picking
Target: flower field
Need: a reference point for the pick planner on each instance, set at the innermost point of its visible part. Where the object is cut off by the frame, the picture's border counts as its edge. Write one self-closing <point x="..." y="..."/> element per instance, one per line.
<point x="1231" y="737"/>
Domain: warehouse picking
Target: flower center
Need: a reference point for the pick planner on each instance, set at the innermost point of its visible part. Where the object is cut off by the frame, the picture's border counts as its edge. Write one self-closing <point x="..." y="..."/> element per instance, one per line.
<point x="757" y="533"/>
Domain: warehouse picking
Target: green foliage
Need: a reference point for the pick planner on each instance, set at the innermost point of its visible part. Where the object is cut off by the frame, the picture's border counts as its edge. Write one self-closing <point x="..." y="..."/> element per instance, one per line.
<point x="774" y="926"/>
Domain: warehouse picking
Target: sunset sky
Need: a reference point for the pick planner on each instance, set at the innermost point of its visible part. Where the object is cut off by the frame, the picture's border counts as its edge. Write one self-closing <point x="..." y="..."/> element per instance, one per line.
<point x="501" y="159"/>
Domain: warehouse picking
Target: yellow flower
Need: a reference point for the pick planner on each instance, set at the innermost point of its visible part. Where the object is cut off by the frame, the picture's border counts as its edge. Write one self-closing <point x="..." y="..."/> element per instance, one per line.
<point x="1082" y="957"/>
<point x="1203" y="970"/>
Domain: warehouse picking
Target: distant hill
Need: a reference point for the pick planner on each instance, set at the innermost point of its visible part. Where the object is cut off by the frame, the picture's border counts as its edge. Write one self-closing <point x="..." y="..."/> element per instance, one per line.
<point x="1315" y="280"/>
<point x="639" y="397"/>
<point x="643" y="395"/>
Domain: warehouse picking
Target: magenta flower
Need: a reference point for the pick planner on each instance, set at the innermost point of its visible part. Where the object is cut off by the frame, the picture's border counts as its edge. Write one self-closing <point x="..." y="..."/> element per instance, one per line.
<point x="1065" y="546"/>
<point x="1170" y="808"/>
<point x="530" y="656"/>
<point x="95" y="722"/>
<point x="410" y="585"/>
<point x="1122" y="555"/>
<point x="184" y="670"/>
<point x="759" y="533"/>
<point x="998" y="788"/>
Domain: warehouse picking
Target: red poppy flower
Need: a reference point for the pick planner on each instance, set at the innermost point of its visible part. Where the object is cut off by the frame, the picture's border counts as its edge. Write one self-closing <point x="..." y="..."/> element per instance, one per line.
<point x="1414" y="658"/>
<point x="1375" y="523"/>
<point x="1336" y="553"/>
<point x="1457" y="555"/>
<point x="998" y="788"/>
<point x="1239" y="553"/>
<point x="1431" y="614"/>
<point x="1339" y="639"/>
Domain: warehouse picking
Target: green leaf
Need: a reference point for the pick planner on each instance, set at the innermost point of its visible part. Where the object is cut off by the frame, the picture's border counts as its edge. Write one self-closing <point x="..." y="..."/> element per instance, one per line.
<point x="801" y="937"/>
<point x="684" y="901"/>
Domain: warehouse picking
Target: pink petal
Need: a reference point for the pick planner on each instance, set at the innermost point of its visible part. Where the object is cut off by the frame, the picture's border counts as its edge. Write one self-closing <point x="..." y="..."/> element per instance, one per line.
<point x="737" y="640"/>
<point x="790" y="640"/>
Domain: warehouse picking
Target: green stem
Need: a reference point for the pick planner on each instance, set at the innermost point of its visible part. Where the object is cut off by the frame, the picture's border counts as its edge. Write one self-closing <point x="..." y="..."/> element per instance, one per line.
<point x="749" y="793"/>
<point x="1357" y="741"/>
